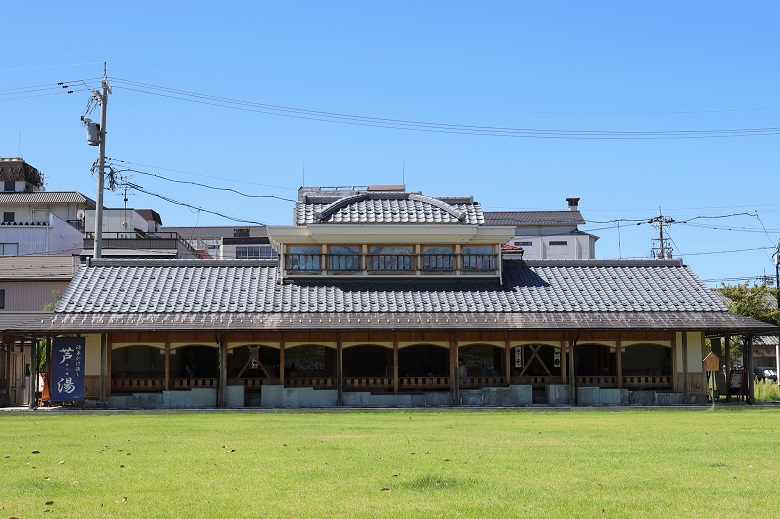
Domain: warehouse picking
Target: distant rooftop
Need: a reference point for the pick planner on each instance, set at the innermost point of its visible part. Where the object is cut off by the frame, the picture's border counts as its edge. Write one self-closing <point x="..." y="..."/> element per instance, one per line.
<point x="14" y="169"/>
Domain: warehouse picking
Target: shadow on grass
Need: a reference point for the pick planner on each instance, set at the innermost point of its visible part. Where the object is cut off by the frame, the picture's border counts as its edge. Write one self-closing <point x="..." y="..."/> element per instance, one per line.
<point x="431" y="482"/>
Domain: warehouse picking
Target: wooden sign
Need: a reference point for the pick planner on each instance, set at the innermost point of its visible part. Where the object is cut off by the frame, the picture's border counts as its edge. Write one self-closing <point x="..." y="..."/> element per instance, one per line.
<point x="712" y="362"/>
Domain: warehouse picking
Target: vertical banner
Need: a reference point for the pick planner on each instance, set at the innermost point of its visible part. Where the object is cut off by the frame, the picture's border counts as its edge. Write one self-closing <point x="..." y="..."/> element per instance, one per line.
<point x="67" y="369"/>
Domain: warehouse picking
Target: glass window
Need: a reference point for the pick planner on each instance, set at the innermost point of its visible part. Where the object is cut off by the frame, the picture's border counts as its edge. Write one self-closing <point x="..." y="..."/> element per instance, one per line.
<point x="438" y="258"/>
<point x="559" y="243"/>
<point x="2" y="298"/>
<point x="10" y="185"/>
<point x="479" y="257"/>
<point x="344" y="257"/>
<point x="255" y="251"/>
<point x="9" y="216"/>
<point x="303" y="258"/>
<point x="524" y="243"/>
<point x="9" y="249"/>
<point x="391" y="258"/>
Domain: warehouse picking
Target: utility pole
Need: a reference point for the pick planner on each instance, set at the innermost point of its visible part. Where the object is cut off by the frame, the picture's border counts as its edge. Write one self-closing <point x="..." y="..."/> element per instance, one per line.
<point x="659" y="221"/>
<point x="102" y="99"/>
<point x="776" y="259"/>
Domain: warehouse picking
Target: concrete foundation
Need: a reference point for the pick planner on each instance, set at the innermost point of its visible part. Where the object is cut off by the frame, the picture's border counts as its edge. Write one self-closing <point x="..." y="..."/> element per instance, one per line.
<point x="234" y="396"/>
<point x="557" y="394"/>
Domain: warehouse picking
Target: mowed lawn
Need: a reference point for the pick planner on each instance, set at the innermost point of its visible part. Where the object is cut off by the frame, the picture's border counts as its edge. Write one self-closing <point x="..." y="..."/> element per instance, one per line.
<point x="449" y="463"/>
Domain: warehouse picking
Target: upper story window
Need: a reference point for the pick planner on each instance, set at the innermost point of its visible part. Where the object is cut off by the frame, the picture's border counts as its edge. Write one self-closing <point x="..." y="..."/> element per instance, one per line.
<point x="303" y="258"/>
<point x="2" y="298"/>
<point x="9" y="185"/>
<point x="524" y="243"/>
<point x="9" y="249"/>
<point x="438" y="258"/>
<point x="344" y="258"/>
<point x="9" y="216"/>
<point x="391" y="258"/>
<point x="479" y="258"/>
<point x="255" y="251"/>
<point x="564" y="242"/>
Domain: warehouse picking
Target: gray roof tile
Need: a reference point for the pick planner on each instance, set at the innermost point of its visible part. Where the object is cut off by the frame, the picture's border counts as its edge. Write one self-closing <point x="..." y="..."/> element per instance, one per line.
<point x="529" y="287"/>
<point x="520" y="218"/>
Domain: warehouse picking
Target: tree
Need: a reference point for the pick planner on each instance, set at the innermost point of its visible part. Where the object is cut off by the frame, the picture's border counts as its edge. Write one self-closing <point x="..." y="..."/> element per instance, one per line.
<point x="756" y="301"/>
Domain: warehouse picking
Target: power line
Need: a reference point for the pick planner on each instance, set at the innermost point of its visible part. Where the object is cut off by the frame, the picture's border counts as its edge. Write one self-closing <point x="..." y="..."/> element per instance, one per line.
<point x="424" y="126"/>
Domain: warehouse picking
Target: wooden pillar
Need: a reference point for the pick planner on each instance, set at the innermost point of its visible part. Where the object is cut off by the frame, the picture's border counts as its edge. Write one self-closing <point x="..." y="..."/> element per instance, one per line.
<point x="564" y="361"/>
<point x="281" y="361"/>
<point x="507" y="362"/>
<point x="222" y="363"/>
<point x="339" y="372"/>
<point x="109" y="362"/>
<point x="454" y="379"/>
<point x="104" y="367"/>
<point x="395" y="366"/>
<point x="572" y="377"/>
<point x="619" y="360"/>
<point x="675" y="384"/>
<point x="686" y="378"/>
<point x="167" y="374"/>
<point x="748" y="346"/>
<point x="727" y="356"/>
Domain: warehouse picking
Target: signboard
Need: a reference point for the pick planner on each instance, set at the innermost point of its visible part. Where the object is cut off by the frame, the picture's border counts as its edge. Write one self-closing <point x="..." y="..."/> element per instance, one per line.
<point x="712" y="362"/>
<point x="67" y="369"/>
<point x="519" y="357"/>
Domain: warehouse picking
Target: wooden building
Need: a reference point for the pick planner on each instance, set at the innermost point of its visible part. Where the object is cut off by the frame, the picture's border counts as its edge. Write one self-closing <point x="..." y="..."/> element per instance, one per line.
<point x="388" y="298"/>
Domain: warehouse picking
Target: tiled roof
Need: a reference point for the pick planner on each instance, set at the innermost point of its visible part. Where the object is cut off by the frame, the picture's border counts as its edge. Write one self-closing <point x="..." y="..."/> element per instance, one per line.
<point x="44" y="197"/>
<point x="139" y="287"/>
<point x="378" y="207"/>
<point x="519" y="218"/>
<point x="216" y="232"/>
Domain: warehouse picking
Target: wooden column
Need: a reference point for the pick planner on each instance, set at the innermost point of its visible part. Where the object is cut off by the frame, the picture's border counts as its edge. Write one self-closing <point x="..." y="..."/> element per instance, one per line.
<point x="507" y="362"/>
<point x="339" y="372"/>
<point x="572" y="377"/>
<point x="727" y="357"/>
<point x="395" y="366"/>
<point x="222" y="352"/>
<point x="748" y="346"/>
<point x="619" y="360"/>
<point x="104" y="367"/>
<point x="564" y="361"/>
<point x="454" y="379"/>
<point x="686" y="381"/>
<point x="109" y="362"/>
<point x="281" y="361"/>
<point x="167" y="374"/>
<point x="675" y="384"/>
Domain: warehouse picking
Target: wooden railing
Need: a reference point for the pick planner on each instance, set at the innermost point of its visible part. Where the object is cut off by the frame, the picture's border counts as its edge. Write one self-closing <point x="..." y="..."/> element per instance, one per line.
<point x="483" y="381"/>
<point x="648" y="381"/>
<point x="189" y="383"/>
<point x="137" y="384"/>
<point x="315" y="382"/>
<point x="368" y="383"/>
<point x="536" y="380"/>
<point x="250" y="383"/>
<point x="390" y="263"/>
<point x="596" y="381"/>
<point x="424" y="383"/>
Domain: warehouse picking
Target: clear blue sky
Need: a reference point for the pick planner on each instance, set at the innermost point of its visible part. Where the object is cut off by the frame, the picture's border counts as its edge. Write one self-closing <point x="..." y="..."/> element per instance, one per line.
<point x="571" y="66"/>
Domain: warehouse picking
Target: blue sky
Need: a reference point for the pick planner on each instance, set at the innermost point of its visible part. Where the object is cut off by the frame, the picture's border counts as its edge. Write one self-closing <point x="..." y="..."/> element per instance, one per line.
<point x="572" y="66"/>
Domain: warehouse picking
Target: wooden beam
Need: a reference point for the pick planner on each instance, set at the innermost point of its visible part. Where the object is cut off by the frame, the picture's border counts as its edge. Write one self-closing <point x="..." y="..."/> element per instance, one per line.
<point x="686" y="381"/>
<point x="507" y="360"/>
<point x="167" y="376"/>
<point x="339" y="372"/>
<point x="727" y="355"/>
<point x="619" y="360"/>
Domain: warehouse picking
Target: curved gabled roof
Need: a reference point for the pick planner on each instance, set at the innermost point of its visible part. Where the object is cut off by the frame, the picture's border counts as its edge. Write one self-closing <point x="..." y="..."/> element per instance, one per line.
<point x="390" y="207"/>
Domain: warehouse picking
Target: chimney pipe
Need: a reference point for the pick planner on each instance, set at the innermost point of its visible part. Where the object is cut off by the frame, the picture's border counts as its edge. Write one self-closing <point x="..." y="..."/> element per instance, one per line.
<point x="573" y="203"/>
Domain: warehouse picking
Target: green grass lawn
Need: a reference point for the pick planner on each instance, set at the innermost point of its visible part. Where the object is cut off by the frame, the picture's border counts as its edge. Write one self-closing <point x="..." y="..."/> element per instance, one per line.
<point x="534" y="463"/>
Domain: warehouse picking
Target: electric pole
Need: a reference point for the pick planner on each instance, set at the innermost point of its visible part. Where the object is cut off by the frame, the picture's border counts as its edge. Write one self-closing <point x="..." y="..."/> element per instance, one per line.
<point x="663" y="251"/>
<point x="102" y="99"/>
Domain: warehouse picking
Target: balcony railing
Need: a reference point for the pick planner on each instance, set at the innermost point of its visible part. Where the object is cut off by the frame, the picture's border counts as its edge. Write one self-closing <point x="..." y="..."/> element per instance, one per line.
<point x="391" y="263"/>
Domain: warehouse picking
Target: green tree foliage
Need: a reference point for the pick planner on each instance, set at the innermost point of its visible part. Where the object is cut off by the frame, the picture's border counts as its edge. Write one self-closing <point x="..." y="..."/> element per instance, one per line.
<point x="755" y="301"/>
